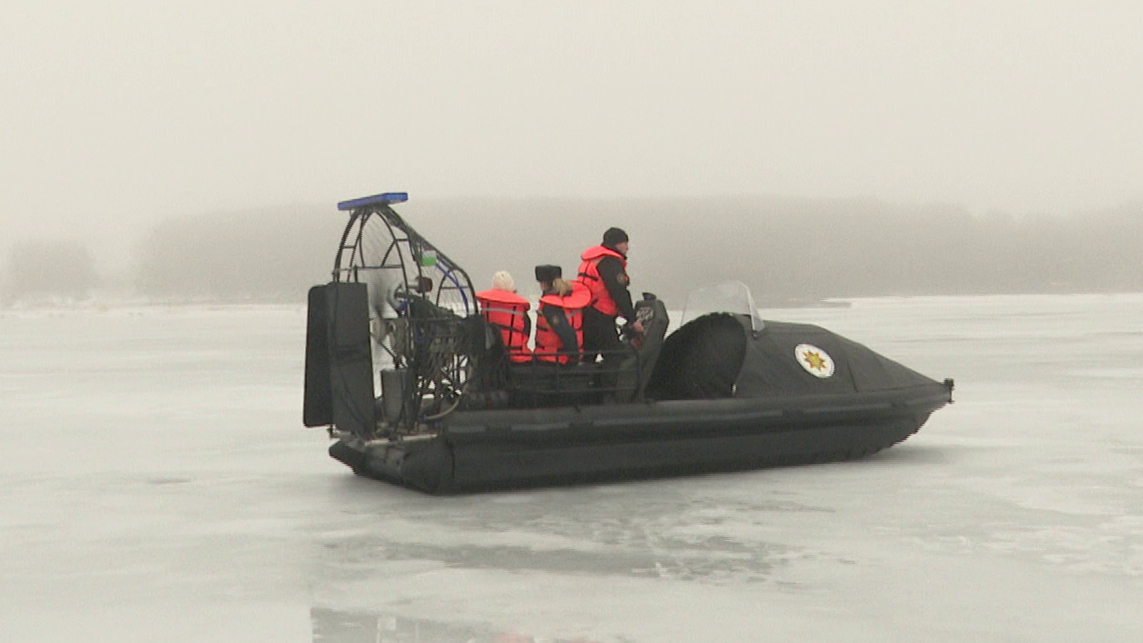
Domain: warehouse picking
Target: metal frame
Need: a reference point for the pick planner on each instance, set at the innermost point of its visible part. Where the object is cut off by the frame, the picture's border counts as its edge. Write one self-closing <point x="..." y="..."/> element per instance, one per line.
<point x="431" y="298"/>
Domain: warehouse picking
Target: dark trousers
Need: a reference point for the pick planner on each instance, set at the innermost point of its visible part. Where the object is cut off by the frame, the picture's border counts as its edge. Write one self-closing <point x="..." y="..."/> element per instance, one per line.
<point x="599" y="334"/>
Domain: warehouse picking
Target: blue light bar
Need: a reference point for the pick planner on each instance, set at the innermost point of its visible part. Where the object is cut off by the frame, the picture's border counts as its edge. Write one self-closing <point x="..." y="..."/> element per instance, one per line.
<point x="377" y="199"/>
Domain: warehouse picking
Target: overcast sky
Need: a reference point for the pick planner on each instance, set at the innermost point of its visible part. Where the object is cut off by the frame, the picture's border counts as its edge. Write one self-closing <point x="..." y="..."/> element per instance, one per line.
<point x="120" y="112"/>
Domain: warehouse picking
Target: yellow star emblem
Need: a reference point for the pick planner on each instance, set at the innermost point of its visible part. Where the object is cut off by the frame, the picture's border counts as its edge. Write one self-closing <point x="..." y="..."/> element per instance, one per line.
<point x="815" y="360"/>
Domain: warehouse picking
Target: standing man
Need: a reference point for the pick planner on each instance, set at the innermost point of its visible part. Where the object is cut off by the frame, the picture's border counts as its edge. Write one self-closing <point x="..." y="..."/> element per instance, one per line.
<point x="604" y="272"/>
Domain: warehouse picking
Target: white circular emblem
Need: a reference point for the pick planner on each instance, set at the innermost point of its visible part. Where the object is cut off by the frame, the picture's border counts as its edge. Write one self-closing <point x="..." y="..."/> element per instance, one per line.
<point x="816" y="361"/>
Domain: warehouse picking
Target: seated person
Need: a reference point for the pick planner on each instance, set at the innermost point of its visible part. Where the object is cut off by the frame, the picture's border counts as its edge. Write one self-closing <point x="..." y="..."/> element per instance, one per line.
<point x="559" y="324"/>
<point x="507" y="311"/>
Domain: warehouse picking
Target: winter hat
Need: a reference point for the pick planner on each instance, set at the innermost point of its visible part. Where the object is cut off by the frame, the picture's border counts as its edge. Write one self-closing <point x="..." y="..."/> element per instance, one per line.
<point x="503" y="281"/>
<point x="614" y="237"/>
<point x="548" y="273"/>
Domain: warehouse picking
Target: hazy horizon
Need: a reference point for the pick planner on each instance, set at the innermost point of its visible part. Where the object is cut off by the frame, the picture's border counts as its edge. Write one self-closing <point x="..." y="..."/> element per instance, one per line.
<point x="120" y="114"/>
<point x="786" y="250"/>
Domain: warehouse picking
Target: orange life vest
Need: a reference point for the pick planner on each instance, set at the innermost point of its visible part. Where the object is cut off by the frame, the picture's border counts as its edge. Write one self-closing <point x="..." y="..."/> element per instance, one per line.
<point x="548" y="342"/>
<point x="508" y="312"/>
<point x="601" y="299"/>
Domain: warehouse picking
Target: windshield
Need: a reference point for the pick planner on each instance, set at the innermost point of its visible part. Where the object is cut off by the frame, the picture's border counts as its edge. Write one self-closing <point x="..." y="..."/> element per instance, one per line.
<point x="729" y="297"/>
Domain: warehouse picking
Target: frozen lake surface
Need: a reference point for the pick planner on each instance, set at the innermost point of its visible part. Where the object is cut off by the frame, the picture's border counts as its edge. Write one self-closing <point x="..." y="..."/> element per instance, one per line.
<point x="158" y="486"/>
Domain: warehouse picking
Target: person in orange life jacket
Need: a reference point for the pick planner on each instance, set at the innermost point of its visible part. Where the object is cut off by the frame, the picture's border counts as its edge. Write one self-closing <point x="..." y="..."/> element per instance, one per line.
<point x="559" y="324"/>
<point x="507" y="311"/>
<point x="604" y="272"/>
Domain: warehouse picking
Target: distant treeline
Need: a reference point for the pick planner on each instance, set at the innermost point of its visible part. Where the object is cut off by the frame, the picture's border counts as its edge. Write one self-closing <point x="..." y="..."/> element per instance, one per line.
<point x="42" y="268"/>
<point x="271" y="254"/>
<point x="784" y="249"/>
<point x="799" y="249"/>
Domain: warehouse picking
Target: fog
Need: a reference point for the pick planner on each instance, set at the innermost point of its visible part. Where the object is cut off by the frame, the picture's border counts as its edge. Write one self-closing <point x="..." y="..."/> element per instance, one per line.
<point x="789" y="251"/>
<point x="120" y="115"/>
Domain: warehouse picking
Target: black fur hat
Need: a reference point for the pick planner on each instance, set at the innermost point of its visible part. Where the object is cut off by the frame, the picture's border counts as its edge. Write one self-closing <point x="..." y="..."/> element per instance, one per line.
<point x="548" y="273"/>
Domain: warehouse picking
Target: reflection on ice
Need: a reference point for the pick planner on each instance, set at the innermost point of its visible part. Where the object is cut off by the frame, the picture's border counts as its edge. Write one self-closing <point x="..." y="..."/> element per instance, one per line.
<point x="334" y="626"/>
<point x="689" y="547"/>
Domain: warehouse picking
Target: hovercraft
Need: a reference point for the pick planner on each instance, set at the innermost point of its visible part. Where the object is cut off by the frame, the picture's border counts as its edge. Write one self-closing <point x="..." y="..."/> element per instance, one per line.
<point x="417" y="389"/>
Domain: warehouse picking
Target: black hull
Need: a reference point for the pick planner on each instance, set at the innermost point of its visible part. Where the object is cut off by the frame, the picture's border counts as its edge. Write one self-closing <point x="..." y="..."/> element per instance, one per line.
<point x="484" y="450"/>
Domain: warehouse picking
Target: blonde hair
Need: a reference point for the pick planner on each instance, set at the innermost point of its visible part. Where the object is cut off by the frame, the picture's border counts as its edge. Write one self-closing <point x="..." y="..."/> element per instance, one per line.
<point x="561" y="287"/>
<point x="503" y="281"/>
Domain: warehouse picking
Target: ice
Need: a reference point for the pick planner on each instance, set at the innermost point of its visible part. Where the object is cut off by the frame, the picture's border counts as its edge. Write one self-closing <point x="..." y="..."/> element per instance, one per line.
<point x="158" y="486"/>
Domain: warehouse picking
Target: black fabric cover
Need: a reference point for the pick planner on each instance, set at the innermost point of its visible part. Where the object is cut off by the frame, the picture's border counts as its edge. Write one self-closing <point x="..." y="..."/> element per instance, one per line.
<point x="771" y="369"/>
<point x="700" y="360"/>
<point x="719" y="355"/>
